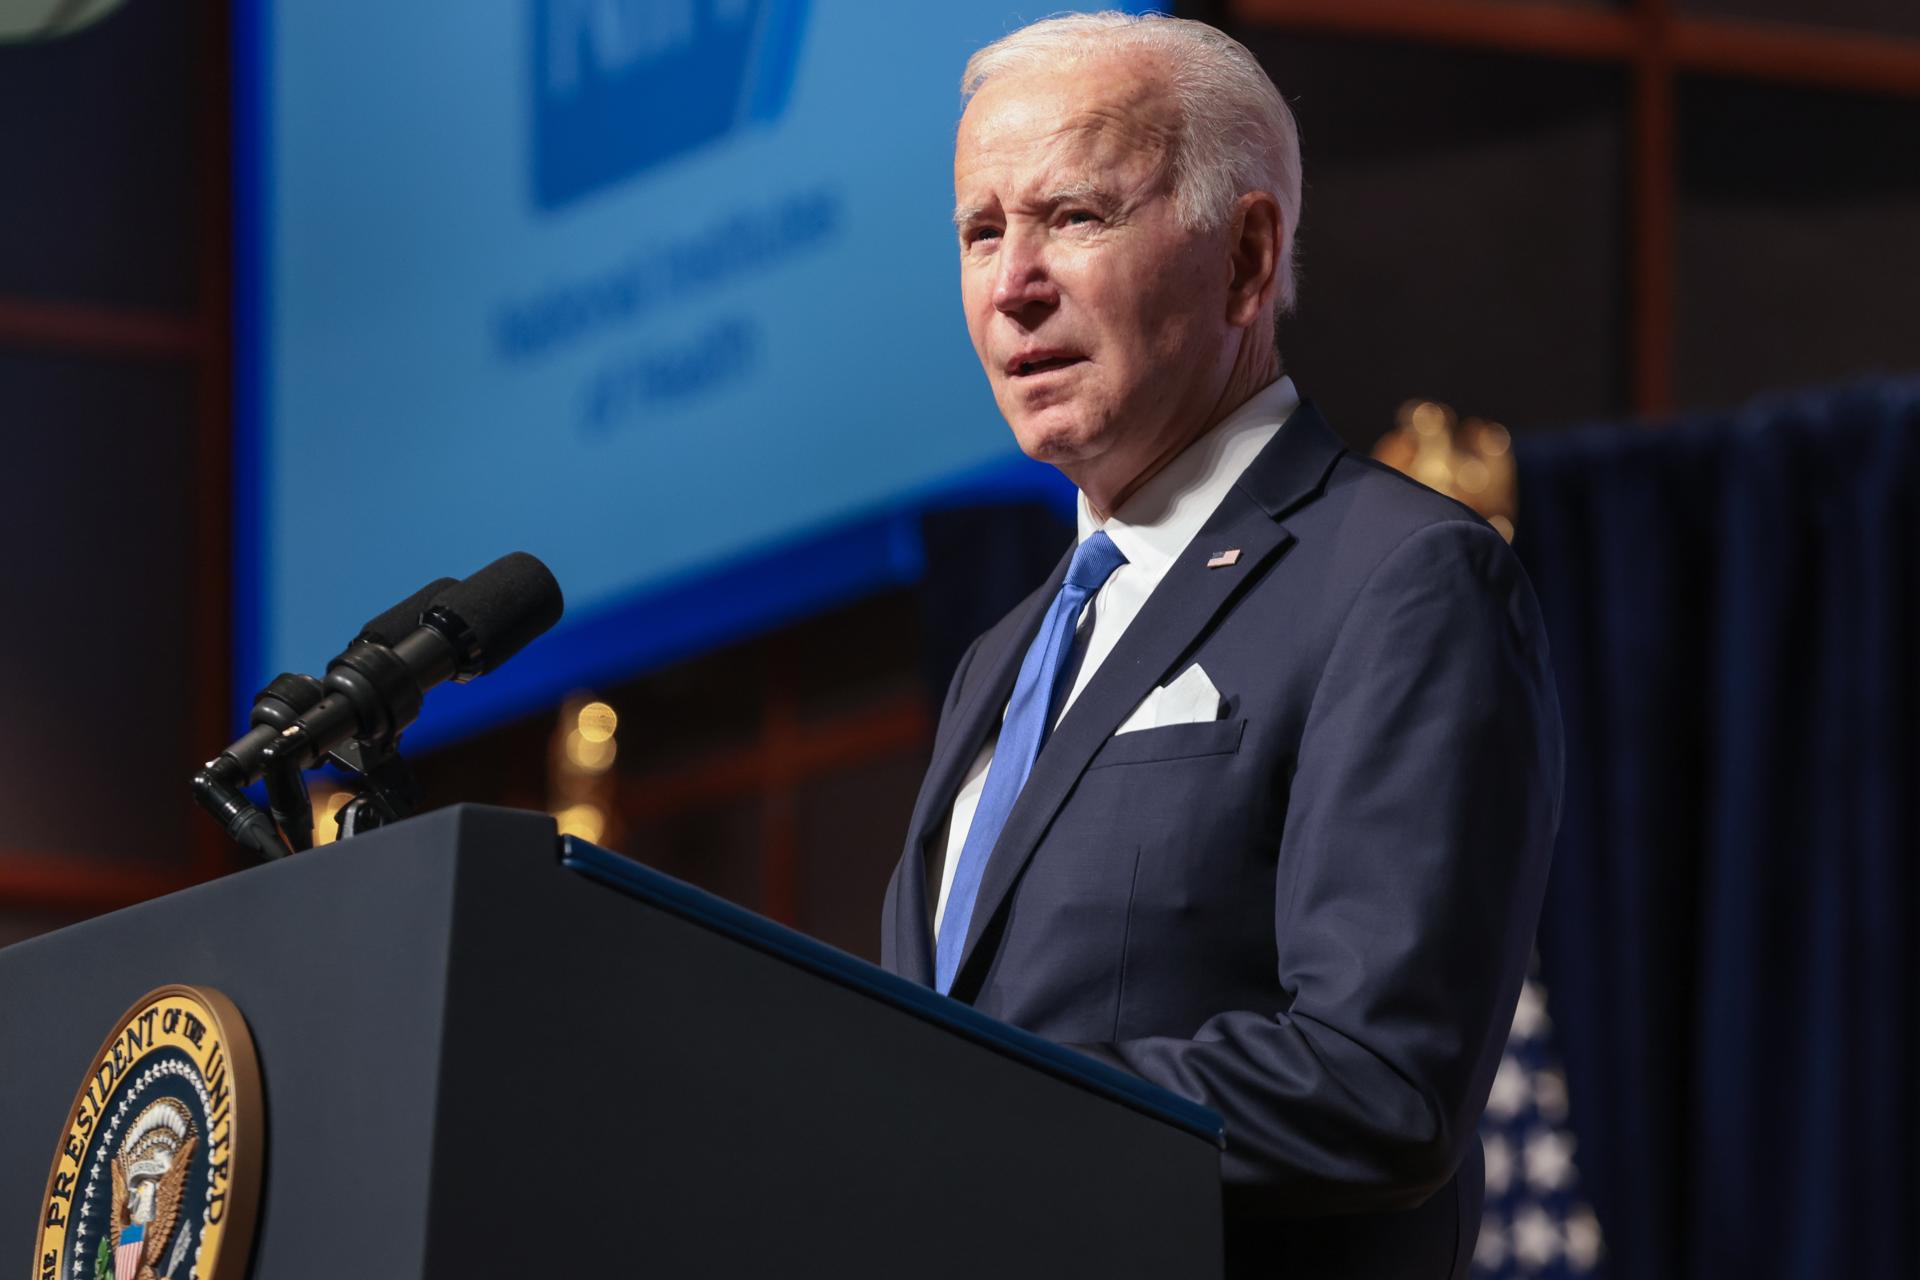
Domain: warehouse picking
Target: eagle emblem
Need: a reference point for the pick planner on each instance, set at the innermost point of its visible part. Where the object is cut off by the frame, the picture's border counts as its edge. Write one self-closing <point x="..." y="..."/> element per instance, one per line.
<point x="149" y="1174"/>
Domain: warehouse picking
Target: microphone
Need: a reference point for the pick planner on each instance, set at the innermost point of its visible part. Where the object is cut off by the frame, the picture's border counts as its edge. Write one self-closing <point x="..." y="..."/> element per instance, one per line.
<point x="467" y="630"/>
<point x="289" y="695"/>
<point x="287" y="799"/>
<point x="373" y="690"/>
<point x="402" y="618"/>
<point x="495" y="614"/>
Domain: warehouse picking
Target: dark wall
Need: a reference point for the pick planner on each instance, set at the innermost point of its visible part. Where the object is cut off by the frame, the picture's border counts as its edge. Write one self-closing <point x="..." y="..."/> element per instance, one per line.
<point x="1467" y="236"/>
<point x="1461" y="233"/>
<point x="1799" y="239"/>
<point x="104" y="160"/>
<point x="97" y="523"/>
<point x="111" y="169"/>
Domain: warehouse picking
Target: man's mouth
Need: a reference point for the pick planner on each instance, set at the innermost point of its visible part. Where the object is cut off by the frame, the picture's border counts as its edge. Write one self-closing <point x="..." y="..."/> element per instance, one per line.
<point x="1041" y="362"/>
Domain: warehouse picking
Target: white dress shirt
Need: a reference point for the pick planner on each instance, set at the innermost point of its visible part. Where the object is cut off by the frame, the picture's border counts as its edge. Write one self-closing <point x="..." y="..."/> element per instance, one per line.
<point x="1151" y="529"/>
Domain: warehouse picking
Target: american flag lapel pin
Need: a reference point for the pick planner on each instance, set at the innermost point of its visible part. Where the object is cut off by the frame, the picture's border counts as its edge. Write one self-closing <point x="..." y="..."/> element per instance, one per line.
<point x="1222" y="559"/>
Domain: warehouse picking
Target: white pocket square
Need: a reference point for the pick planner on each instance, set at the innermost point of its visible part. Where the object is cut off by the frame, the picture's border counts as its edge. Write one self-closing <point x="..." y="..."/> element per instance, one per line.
<point x="1189" y="698"/>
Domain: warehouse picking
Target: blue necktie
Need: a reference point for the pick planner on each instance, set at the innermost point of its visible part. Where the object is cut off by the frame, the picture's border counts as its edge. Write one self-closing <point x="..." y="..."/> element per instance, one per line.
<point x="1029" y="718"/>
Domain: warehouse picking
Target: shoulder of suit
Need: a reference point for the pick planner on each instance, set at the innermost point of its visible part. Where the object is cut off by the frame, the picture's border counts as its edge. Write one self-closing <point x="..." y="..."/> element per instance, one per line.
<point x="1361" y="488"/>
<point x="1367" y="510"/>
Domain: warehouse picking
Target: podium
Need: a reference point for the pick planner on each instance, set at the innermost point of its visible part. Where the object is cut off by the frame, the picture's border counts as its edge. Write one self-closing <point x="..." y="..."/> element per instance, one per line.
<point x="485" y="1050"/>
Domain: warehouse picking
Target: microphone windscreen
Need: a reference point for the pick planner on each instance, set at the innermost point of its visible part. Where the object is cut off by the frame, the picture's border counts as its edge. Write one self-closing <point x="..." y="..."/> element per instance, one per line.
<point x="504" y="607"/>
<point x="404" y="618"/>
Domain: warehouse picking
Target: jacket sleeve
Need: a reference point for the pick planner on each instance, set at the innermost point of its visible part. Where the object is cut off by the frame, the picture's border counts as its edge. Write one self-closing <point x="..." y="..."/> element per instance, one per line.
<point x="1412" y="862"/>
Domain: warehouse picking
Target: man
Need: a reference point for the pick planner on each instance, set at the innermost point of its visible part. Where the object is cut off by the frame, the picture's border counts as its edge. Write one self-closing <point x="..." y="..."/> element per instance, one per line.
<point x="1254" y="797"/>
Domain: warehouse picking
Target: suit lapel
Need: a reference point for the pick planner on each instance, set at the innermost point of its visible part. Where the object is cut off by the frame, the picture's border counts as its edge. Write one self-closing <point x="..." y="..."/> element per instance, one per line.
<point x="983" y="698"/>
<point x="1289" y="471"/>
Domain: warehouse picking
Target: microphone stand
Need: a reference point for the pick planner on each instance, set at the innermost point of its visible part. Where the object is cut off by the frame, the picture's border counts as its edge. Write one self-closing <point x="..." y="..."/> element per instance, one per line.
<point x="387" y="792"/>
<point x="220" y="784"/>
<point x="218" y="789"/>
<point x="287" y="795"/>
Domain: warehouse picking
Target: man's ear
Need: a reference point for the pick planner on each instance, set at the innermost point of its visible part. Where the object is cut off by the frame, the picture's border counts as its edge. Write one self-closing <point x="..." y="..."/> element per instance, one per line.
<point x="1256" y="234"/>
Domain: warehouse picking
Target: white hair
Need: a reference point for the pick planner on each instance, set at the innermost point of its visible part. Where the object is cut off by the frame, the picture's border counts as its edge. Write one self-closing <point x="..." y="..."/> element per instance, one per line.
<point x="1236" y="133"/>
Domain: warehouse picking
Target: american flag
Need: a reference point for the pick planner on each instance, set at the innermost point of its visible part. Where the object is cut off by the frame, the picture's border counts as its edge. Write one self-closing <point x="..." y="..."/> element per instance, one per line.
<point x="126" y="1257"/>
<point x="1537" y="1225"/>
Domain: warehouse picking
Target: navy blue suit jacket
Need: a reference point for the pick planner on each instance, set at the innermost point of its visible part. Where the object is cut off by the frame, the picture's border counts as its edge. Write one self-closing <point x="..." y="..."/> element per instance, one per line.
<point x="1314" y="913"/>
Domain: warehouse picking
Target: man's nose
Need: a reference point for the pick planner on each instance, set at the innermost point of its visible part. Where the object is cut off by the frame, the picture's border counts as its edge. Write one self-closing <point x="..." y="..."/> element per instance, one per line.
<point x="1025" y="281"/>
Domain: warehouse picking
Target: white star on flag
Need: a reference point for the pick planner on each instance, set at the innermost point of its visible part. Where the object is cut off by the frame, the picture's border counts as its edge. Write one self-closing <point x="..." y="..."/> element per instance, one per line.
<point x="1535" y="1225"/>
<point x="1511" y="1089"/>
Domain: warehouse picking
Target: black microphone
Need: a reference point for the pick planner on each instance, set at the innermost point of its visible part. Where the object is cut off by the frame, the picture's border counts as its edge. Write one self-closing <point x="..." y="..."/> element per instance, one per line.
<point x="496" y="613"/>
<point x="403" y="618"/>
<point x="373" y="690"/>
<point x="289" y="695"/>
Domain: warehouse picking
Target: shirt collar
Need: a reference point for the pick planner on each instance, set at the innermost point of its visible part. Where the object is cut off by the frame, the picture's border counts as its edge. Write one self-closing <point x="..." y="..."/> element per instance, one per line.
<point x="1156" y="523"/>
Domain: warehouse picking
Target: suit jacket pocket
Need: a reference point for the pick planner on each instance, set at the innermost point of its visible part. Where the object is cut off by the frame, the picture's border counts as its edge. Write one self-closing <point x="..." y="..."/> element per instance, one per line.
<point x="1171" y="742"/>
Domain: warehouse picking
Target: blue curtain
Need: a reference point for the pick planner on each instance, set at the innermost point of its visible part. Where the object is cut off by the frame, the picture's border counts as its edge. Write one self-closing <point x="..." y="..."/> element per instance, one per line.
<point x="1729" y="936"/>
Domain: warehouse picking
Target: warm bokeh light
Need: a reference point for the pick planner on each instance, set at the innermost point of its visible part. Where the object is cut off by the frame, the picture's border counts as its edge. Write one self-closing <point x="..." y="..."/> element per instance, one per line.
<point x="597" y="721"/>
<point x="586" y="821"/>
<point x="590" y="754"/>
<point x="580" y="756"/>
<point x="1471" y="461"/>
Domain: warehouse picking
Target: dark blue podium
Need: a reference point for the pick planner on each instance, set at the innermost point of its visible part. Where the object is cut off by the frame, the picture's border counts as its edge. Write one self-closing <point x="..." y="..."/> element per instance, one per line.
<point x="488" y="1051"/>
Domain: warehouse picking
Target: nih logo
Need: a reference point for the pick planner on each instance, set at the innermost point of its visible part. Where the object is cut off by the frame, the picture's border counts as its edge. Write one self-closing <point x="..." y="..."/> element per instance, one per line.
<point x="622" y="85"/>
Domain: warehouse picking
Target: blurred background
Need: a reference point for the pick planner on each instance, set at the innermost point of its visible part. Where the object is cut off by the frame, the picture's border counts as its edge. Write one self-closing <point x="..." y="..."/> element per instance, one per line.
<point x="302" y="306"/>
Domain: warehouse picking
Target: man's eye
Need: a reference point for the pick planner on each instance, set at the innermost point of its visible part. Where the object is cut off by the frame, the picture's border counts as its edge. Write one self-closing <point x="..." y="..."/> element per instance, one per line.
<point x="1078" y="217"/>
<point x="976" y="235"/>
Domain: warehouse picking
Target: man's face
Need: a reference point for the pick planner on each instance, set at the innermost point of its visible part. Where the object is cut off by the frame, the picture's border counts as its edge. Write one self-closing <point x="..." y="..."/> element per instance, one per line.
<point x="1102" y="325"/>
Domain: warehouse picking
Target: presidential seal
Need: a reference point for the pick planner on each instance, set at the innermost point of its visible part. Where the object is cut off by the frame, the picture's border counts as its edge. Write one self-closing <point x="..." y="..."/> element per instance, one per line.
<point x="159" y="1164"/>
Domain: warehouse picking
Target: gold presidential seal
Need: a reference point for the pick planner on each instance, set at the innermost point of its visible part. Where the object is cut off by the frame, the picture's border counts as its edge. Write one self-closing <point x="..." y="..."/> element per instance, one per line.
<point x="158" y="1169"/>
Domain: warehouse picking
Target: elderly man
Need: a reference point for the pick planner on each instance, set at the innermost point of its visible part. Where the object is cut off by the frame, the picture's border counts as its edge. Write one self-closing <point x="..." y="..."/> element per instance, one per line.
<point x="1254" y="796"/>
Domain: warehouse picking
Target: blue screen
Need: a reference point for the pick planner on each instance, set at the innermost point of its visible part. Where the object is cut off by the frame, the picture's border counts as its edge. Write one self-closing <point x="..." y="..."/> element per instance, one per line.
<point x="662" y="291"/>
